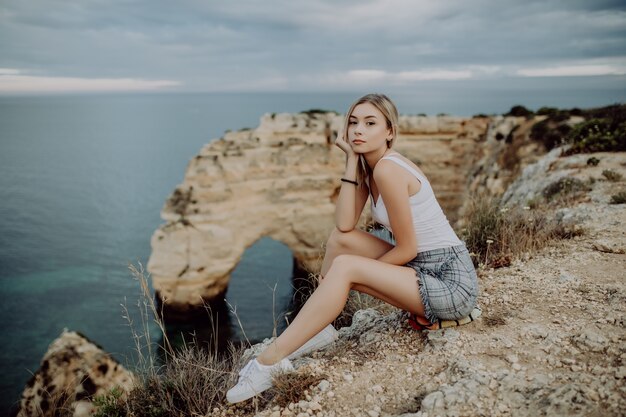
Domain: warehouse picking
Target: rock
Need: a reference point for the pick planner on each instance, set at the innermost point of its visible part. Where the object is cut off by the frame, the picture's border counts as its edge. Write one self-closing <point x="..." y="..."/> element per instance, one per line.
<point x="537" y="331"/>
<point x="533" y="179"/>
<point x="378" y="389"/>
<point x="75" y="365"/>
<point x="315" y="406"/>
<point x="323" y="385"/>
<point x="567" y="277"/>
<point x="362" y="322"/>
<point x="440" y="338"/>
<point x="512" y="358"/>
<point x="590" y="339"/>
<point x="433" y="402"/>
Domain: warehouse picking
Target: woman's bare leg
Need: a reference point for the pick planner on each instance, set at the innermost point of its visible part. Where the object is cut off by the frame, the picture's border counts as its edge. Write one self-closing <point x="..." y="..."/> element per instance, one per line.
<point x="398" y="284"/>
<point x="354" y="242"/>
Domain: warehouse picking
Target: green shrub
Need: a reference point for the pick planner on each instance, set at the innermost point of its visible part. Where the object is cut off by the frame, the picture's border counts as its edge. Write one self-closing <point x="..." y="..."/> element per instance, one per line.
<point x="603" y="131"/>
<point x="597" y="135"/>
<point x="612" y="175"/>
<point x="311" y="112"/>
<point x="593" y="161"/>
<point x="110" y="405"/>
<point x="519" y="111"/>
<point x="564" y="187"/>
<point x="546" y="132"/>
<point x="619" y="198"/>
<point x="547" y="111"/>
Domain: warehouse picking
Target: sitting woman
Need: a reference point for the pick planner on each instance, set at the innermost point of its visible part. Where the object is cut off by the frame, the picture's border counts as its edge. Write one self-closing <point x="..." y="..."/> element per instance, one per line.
<point x="428" y="272"/>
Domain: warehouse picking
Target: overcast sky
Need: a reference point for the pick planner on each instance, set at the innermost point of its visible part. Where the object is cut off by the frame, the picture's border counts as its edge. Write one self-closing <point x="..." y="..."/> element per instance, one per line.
<point x="317" y="45"/>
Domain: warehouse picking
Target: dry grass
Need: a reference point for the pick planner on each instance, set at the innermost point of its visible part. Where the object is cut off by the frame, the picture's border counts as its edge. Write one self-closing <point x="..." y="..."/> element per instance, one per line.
<point x="496" y="235"/>
<point x="192" y="382"/>
<point x="292" y="387"/>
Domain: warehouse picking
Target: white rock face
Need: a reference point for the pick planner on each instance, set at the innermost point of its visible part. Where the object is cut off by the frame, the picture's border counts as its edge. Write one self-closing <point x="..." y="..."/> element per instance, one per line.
<point x="72" y="372"/>
<point x="281" y="180"/>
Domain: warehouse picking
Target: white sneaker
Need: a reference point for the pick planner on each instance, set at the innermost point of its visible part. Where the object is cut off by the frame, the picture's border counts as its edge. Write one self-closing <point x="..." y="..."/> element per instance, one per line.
<point x="324" y="338"/>
<point x="255" y="378"/>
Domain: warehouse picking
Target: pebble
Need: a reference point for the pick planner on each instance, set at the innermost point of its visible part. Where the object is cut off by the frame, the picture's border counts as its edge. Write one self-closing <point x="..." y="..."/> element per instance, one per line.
<point x="512" y="358"/>
<point x="373" y="413"/>
<point x="315" y="406"/>
<point x="347" y="376"/>
<point x="377" y="389"/>
<point x="493" y="384"/>
<point x="324" y="385"/>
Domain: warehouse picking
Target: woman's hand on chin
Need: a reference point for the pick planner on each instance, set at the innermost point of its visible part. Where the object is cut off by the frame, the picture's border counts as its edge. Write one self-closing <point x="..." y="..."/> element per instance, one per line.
<point x="343" y="144"/>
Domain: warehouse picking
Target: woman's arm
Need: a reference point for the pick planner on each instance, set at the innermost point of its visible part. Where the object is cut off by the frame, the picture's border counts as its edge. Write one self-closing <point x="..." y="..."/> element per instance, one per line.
<point x="351" y="199"/>
<point x="393" y="183"/>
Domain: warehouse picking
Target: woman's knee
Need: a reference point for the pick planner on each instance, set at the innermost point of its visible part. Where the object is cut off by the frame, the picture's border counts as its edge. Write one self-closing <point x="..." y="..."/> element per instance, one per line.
<point x="342" y="267"/>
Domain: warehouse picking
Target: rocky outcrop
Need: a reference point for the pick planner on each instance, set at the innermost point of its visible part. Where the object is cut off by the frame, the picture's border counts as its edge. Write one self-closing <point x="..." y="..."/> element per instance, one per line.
<point x="506" y="151"/>
<point x="280" y="180"/>
<point x="73" y="371"/>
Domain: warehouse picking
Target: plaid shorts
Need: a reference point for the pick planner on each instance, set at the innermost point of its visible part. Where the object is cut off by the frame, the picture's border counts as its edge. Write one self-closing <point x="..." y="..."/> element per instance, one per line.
<point x="447" y="282"/>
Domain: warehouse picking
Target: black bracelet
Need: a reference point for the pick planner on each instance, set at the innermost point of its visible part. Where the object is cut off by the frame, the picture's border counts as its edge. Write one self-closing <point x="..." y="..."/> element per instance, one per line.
<point x="350" y="181"/>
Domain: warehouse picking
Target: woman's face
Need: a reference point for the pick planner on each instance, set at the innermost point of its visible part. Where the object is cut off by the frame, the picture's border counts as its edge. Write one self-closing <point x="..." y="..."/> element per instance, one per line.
<point x="367" y="129"/>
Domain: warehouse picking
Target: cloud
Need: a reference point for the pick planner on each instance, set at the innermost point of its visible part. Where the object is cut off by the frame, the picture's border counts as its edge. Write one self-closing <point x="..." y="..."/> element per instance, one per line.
<point x="586" y="68"/>
<point x="320" y="44"/>
<point x="11" y="81"/>
<point x="364" y="76"/>
<point x="572" y="71"/>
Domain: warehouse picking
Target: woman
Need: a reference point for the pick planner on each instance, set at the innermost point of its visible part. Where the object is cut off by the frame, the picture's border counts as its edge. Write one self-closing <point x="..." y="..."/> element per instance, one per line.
<point x="428" y="272"/>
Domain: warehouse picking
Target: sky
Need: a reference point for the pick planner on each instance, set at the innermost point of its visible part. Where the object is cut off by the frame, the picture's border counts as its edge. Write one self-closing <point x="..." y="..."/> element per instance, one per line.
<point x="50" y="46"/>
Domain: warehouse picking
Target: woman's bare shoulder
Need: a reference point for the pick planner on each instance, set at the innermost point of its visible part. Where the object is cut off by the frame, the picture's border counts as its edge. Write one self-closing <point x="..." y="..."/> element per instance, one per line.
<point x="408" y="161"/>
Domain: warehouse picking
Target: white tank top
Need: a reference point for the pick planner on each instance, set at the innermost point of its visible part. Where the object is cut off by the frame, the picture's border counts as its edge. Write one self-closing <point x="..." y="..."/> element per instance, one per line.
<point x="432" y="229"/>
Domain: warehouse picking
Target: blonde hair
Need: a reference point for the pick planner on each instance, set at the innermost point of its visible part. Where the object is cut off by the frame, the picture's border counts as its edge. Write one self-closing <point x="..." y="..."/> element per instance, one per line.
<point x="388" y="109"/>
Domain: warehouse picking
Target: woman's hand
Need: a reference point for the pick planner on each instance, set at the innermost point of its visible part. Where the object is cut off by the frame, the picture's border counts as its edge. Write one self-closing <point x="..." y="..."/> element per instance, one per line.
<point x="343" y="144"/>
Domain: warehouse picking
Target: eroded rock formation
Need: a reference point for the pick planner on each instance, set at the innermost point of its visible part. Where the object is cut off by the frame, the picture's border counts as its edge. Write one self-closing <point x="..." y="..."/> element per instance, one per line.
<point x="280" y="180"/>
<point x="73" y="371"/>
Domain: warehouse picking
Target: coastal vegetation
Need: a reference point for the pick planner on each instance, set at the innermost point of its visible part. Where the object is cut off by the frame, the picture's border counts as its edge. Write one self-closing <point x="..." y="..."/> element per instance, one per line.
<point x="600" y="129"/>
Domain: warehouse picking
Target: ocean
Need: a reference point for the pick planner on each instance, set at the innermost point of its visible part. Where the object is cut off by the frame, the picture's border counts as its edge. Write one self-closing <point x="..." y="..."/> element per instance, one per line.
<point x="83" y="179"/>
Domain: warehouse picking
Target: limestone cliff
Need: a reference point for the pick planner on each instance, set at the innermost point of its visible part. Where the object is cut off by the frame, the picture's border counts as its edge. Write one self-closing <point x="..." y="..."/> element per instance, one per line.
<point x="280" y="180"/>
<point x="73" y="371"/>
